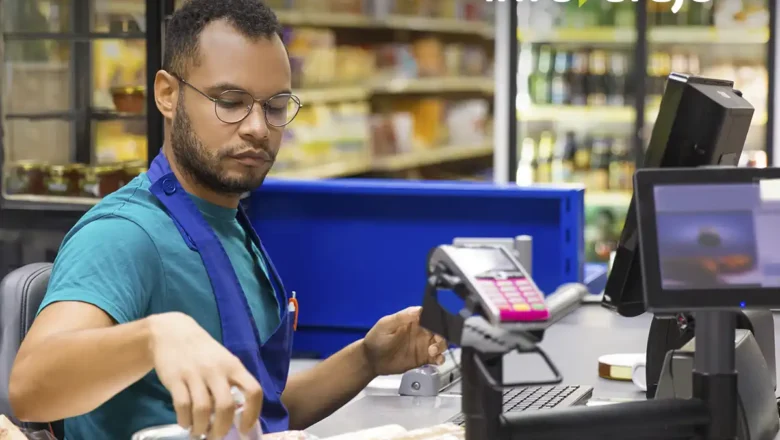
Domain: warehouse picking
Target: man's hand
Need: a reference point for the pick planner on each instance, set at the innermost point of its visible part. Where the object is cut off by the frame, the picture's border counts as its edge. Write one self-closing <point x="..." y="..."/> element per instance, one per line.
<point x="199" y="372"/>
<point x="397" y="343"/>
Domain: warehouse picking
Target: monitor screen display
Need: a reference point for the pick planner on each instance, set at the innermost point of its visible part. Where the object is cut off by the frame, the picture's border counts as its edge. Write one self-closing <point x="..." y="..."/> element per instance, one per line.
<point x="479" y="260"/>
<point x="714" y="236"/>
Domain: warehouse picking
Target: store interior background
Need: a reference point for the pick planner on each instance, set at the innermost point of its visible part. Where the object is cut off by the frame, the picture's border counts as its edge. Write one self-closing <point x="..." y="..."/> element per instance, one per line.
<point x="394" y="89"/>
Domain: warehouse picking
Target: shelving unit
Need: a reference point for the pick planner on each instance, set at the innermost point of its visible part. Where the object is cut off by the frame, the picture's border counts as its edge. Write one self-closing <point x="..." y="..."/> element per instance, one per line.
<point x="386" y="67"/>
<point x="590" y="78"/>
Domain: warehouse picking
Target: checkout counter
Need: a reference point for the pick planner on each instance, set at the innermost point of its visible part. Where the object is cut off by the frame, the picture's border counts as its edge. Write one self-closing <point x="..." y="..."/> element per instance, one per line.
<point x="720" y="384"/>
<point x="575" y="343"/>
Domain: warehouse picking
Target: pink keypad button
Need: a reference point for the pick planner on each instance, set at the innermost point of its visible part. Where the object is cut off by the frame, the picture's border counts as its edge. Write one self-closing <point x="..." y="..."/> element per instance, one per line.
<point x="524" y="316"/>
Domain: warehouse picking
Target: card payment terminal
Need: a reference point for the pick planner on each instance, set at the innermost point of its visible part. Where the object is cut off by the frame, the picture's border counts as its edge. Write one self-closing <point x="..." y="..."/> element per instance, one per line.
<point x="505" y="290"/>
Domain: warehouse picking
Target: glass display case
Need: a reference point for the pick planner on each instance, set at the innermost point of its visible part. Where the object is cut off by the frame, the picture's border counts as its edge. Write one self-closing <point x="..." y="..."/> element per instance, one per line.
<point x="590" y="78"/>
<point x="73" y="100"/>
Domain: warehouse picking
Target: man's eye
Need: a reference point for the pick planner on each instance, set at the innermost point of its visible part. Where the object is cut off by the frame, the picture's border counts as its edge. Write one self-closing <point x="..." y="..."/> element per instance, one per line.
<point x="229" y="104"/>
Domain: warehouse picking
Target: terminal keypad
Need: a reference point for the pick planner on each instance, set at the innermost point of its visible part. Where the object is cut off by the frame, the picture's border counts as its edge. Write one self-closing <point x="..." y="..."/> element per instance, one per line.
<point x="517" y="298"/>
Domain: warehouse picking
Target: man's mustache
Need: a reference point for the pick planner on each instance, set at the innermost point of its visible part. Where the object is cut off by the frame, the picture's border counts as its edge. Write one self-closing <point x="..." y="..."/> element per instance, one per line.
<point x="238" y="150"/>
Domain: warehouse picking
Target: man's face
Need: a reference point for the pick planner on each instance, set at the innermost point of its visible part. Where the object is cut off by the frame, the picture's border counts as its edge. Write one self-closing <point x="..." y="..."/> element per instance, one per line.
<point x="229" y="158"/>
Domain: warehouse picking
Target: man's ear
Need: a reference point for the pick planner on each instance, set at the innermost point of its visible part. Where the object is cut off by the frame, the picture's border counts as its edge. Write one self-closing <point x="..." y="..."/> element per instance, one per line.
<point x="166" y="93"/>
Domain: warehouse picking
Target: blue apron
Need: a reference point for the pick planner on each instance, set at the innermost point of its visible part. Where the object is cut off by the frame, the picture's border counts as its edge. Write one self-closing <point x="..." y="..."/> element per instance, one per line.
<point x="268" y="363"/>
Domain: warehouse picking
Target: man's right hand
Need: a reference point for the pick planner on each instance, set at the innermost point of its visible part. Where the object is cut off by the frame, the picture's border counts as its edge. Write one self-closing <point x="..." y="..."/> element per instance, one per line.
<point x="199" y="372"/>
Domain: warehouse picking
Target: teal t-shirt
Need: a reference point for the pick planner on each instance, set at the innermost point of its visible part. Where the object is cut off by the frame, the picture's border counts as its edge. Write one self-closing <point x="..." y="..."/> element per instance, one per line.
<point x="126" y="257"/>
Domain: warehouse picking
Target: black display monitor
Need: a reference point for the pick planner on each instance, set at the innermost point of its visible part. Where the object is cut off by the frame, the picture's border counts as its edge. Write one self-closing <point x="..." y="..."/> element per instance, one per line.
<point x="708" y="238"/>
<point x="701" y="121"/>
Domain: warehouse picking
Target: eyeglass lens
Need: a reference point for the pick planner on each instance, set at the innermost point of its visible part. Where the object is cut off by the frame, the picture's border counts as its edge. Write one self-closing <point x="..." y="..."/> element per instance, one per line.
<point x="233" y="106"/>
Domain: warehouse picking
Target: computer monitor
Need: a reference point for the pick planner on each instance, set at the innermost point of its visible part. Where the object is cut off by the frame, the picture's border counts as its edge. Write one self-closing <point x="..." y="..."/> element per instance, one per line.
<point x="701" y="121"/>
<point x="708" y="238"/>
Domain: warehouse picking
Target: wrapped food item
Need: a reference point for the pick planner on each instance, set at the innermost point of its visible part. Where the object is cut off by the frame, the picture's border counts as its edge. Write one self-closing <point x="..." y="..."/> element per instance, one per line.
<point x="290" y="435"/>
<point x="378" y="433"/>
<point x="446" y="431"/>
<point x="9" y="431"/>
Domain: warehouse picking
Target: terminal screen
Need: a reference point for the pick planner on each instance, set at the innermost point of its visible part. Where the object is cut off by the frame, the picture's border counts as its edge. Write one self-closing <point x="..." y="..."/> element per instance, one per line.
<point x="480" y="260"/>
<point x="714" y="236"/>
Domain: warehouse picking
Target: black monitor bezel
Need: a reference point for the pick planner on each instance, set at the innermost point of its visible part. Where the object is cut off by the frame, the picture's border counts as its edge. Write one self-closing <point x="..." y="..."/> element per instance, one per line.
<point x="658" y="299"/>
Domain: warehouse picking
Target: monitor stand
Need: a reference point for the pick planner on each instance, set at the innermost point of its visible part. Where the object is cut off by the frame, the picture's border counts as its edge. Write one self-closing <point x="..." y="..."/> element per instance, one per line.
<point x="673" y="332"/>
<point x="711" y="413"/>
<point x="757" y="415"/>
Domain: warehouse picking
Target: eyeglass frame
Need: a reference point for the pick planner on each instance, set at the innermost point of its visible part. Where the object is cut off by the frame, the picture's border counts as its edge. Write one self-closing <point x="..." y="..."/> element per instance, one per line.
<point x="263" y="102"/>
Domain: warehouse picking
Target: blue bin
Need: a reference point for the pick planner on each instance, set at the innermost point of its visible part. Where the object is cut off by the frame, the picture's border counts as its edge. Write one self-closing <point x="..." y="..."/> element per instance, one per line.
<point x="355" y="250"/>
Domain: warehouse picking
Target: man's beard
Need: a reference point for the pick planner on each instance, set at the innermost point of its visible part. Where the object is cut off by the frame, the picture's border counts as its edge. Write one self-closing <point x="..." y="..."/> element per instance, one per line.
<point x="205" y="168"/>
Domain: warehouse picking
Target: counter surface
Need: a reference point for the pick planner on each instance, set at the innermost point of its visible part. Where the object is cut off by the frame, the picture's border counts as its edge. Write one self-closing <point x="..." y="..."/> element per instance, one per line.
<point x="574" y="344"/>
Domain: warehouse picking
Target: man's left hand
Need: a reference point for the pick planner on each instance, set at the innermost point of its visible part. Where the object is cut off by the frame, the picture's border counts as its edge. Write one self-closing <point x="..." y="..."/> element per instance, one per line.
<point x="397" y="343"/>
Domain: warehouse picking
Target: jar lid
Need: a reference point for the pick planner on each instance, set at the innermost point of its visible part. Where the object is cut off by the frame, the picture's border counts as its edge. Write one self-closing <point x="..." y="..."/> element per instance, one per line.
<point x="127" y="90"/>
<point x="136" y="169"/>
<point x="107" y="168"/>
<point x="66" y="167"/>
<point x="28" y="165"/>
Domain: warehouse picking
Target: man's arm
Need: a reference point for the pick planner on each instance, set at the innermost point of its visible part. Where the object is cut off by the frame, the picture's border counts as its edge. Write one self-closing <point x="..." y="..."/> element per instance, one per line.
<point x="312" y="395"/>
<point x="75" y="357"/>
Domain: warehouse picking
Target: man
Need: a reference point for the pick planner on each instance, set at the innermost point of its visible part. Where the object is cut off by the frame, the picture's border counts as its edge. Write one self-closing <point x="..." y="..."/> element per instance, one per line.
<point x="161" y="298"/>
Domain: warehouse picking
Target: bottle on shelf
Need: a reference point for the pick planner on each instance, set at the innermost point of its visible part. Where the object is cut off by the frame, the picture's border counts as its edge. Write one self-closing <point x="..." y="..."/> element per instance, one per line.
<point x="616" y="79"/>
<point x="579" y="78"/>
<point x="539" y="81"/>
<point x="544" y="158"/>
<point x="560" y="88"/>
<point x="597" y="78"/>
<point x="621" y="166"/>
<point x="525" y="167"/>
<point x="561" y="166"/>
<point x="598" y="178"/>
<point x="625" y="13"/>
<point x="700" y="14"/>
<point x="582" y="158"/>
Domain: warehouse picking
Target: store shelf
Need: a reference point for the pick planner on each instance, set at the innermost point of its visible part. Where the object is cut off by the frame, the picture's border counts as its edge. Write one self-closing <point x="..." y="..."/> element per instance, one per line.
<point x="330" y="170"/>
<point x="436" y="85"/>
<point x="708" y="35"/>
<point x="334" y="94"/>
<point x="445" y="154"/>
<point x="608" y="198"/>
<point x="397" y="86"/>
<point x="399" y="162"/>
<point x="398" y="22"/>
<point x="584" y="35"/>
<point x="51" y="203"/>
<point x="594" y="114"/>
<point x="667" y="35"/>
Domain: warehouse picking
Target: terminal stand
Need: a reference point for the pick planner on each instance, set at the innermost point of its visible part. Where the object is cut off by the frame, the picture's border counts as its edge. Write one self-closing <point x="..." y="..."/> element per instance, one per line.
<point x="673" y="332"/>
<point x="710" y="415"/>
<point x="714" y="373"/>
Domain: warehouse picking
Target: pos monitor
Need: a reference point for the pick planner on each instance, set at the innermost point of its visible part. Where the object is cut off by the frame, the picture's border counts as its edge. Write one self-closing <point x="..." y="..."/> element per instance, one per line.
<point x="708" y="238"/>
<point x="701" y="121"/>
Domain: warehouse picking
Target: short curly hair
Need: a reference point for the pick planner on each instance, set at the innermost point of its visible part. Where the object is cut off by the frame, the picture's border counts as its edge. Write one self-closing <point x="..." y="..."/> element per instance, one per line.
<point x="252" y="18"/>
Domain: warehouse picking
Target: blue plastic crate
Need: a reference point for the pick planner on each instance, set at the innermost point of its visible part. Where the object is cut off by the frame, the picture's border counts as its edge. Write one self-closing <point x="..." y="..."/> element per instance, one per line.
<point x="355" y="250"/>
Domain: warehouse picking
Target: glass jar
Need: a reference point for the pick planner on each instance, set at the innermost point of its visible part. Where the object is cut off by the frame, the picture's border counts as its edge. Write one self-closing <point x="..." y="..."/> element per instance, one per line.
<point x="109" y="179"/>
<point x="133" y="169"/>
<point x="65" y="180"/>
<point x="26" y="177"/>
<point x="89" y="186"/>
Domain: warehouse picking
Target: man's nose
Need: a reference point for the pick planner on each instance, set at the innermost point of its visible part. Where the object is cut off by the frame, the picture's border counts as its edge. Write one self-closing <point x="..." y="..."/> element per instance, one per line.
<point x="255" y="125"/>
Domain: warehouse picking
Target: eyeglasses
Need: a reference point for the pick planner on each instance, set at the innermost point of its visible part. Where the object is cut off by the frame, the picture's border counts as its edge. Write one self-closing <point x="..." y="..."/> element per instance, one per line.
<point x="233" y="106"/>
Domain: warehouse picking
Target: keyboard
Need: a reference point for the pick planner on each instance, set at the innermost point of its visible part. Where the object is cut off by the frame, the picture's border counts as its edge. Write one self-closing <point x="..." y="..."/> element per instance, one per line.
<point x="541" y="397"/>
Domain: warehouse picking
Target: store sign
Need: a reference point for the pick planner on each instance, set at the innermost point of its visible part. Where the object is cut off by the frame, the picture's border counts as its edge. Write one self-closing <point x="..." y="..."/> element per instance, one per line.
<point x="675" y="7"/>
